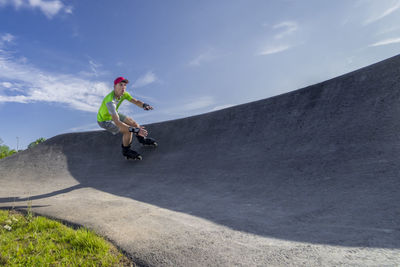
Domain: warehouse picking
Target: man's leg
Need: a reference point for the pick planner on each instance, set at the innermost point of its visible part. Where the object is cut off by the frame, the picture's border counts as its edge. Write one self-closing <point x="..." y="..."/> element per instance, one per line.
<point x="144" y="140"/>
<point x="130" y="122"/>
<point x="126" y="144"/>
<point x="126" y="136"/>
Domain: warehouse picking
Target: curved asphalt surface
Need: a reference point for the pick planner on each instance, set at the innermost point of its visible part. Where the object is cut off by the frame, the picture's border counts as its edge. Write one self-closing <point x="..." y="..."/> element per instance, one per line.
<point x="307" y="178"/>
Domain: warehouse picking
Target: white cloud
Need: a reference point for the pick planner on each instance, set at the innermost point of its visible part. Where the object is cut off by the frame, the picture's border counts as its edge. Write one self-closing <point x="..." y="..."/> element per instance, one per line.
<point x="189" y="106"/>
<point x="269" y="50"/>
<point x="5" y="39"/>
<point x="387" y="30"/>
<point x="82" y="128"/>
<point x="36" y="85"/>
<point x="69" y="9"/>
<point x="204" y="57"/>
<point x="49" y="8"/>
<point x="94" y="66"/>
<point x="146" y="79"/>
<point x="8" y="38"/>
<point x="288" y="27"/>
<point x="149" y="99"/>
<point x="95" y="69"/>
<point x="375" y="17"/>
<point x="200" y="59"/>
<point x="386" y="42"/>
<point x="6" y="84"/>
<point x="199" y="103"/>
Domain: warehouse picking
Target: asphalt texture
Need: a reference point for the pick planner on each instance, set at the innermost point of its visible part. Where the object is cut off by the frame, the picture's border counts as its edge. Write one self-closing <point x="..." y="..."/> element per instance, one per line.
<point x="307" y="178"/>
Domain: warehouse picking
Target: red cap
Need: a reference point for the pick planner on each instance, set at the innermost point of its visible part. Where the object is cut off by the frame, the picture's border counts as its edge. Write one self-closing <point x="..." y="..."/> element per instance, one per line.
<point x="120" y="79"/>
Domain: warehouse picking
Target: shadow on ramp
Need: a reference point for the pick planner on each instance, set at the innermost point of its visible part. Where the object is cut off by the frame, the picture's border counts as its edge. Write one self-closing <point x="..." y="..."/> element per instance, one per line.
<point x="36" y="197"/>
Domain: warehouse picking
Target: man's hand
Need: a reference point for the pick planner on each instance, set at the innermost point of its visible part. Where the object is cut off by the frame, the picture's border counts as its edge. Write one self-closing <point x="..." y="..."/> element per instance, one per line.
<point x="141" y="131"/>
<point x="147" y="106"/>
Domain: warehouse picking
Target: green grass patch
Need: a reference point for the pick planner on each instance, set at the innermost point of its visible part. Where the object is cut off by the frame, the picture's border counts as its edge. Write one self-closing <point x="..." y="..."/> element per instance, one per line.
<point x="27" y="240"/>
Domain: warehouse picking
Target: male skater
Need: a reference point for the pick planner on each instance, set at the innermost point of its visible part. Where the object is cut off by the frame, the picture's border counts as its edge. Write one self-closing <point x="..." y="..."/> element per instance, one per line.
<point x="110" y="119"/>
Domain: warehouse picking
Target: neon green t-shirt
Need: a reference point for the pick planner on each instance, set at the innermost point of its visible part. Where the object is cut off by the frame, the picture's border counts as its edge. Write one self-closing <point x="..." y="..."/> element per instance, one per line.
<point x="110" y="106"/>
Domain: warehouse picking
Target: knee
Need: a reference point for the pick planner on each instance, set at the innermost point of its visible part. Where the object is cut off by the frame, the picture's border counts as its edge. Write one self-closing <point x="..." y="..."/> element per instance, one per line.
<point x="124" y="130"/>
<point x="126" y="120"/>
<point x="131" y="122"/>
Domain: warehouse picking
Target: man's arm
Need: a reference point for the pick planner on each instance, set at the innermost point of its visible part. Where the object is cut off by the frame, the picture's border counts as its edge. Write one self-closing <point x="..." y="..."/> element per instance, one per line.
<point x="140" y="104"/>
<point x="137" y="102"/>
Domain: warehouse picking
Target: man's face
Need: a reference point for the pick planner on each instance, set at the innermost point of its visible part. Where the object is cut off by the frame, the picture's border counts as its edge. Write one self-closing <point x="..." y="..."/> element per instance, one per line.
<point x="120" y="88"/>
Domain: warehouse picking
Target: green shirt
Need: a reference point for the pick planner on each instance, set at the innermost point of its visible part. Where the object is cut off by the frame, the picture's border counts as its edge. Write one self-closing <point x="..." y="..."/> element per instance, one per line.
<point x="110" y="106"/>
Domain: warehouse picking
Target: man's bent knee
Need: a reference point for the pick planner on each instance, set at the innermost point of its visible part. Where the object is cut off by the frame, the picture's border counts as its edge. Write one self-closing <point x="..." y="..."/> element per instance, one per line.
<point x="130" y="122"/>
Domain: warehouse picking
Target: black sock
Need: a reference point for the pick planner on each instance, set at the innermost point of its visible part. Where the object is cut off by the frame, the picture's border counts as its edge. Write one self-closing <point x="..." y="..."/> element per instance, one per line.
<point x="126" y="147"/>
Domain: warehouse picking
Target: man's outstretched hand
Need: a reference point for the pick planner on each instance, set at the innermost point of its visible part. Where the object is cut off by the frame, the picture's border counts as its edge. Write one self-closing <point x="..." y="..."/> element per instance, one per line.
<point x="147" y="106"/>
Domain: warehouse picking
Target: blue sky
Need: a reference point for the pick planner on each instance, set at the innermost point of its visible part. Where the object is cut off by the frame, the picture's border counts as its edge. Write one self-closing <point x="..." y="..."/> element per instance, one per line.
<point x="58" y="58"/>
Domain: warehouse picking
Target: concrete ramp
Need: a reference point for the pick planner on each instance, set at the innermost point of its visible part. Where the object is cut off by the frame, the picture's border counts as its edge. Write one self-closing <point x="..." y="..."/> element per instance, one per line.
<point x="307" y="178"/>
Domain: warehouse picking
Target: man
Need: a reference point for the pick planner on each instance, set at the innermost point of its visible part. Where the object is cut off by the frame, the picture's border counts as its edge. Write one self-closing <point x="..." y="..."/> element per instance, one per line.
<point x="110" y="119"/>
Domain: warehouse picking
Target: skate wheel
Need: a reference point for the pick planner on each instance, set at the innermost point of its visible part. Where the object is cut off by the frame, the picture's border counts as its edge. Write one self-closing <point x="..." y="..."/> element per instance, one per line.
<point x="135" y="158"/>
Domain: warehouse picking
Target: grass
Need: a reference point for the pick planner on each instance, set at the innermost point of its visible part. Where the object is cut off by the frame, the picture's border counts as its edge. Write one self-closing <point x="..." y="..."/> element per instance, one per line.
<point x="27" y="240"/>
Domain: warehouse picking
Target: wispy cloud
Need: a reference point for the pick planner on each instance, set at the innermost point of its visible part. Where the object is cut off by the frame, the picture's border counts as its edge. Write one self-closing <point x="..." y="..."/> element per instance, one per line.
<point x="189" y="106"/>
<point x="146" y="79"/>
<point x="288" y="28"/>
<point x="69" y="9"/>
<point x="375" y="17"/>
<point x="6" y="85"/>
<point x="94" y="70"/>
<point x="199" y="103"/>
<point x="146" y="98"/>
<point x="199" y="59"/>
<point x="388" y="30"/>
<point x="386" y="42"/>
<point x="22" y="82"/>
<point x="11" y="87"/>
<point x="25" y="83"/>
<point x="269" y="50"/>
<point x="49" y="8"/>
<point x="281" y="38"/>
<point x="86" y="127"/>
<point x="6" y="39"/>
<point x="204" y="57"/>
<point x="94" y="67"/>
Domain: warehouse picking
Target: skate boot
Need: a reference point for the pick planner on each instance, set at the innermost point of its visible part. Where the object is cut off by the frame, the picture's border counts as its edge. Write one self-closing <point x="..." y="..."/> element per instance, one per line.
<point x="147" y="141"/>
<point x="130" y="154"/>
